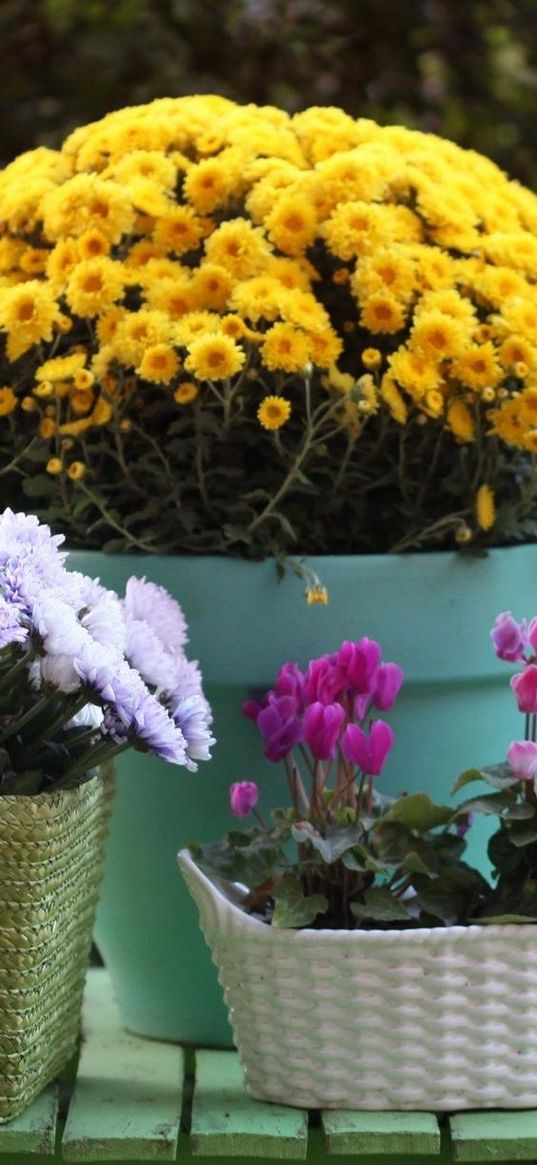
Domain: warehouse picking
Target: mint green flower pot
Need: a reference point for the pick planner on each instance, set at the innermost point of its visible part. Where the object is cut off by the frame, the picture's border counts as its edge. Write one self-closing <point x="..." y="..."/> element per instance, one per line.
<point x="432" y="614"/>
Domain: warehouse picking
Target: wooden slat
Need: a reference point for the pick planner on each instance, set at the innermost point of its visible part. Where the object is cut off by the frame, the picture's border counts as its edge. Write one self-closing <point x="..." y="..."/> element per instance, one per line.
<point x="227" y="1123"/>
<point x="127" y="1099"/>
<point x="372" y="1133"/>
<point x="34" y="1131"/>
<point x="494" y="1136"/>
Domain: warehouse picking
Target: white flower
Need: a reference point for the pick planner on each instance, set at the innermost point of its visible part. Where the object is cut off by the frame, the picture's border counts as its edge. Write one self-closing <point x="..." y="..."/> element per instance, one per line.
<point x="152" y="604"/>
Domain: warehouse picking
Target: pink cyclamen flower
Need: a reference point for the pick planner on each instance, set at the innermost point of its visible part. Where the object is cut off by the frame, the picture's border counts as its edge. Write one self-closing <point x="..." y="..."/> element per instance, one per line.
<point x="243" y="797"/>
<point x="522" y="759"/>
<point x="531" y="633"/>
<point x="322" y="727"/>
<point x="508" y="637"/>
<point x="368" y="752"/>
<point x="280" y="726"/>
<point x="524" y="686"/>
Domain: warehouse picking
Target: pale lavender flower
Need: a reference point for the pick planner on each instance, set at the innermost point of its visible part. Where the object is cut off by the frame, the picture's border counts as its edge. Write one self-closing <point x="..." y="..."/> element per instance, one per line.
<point x="193" y="716"/>
<point x="11" y="629"/>
<point x="90" y="716"/>
<point x="20" y="532"/>
<point x="104" y="619"/>
<point x="151" y="603"/>
<point x="145" y="652"/>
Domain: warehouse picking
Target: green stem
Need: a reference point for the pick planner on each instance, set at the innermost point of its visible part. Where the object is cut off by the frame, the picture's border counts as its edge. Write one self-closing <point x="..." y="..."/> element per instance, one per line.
<point x="90" y="759"/>
<point x="31" y="713"/>
<point x="6" y="680"/>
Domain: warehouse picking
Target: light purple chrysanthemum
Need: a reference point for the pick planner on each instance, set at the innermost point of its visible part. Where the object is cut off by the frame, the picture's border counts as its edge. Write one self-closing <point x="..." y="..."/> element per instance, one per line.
<point x="145" y="652"/>
<point x="152" y="603"/>
<point x="193" y="716"/>
<point x="11" y="629"/>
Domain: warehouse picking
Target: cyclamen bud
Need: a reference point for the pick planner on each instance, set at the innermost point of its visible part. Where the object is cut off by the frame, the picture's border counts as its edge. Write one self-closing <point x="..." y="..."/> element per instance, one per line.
<point x="524" y="686"/>
<point x="243" y="797"/>
<point x="522" y="759"/>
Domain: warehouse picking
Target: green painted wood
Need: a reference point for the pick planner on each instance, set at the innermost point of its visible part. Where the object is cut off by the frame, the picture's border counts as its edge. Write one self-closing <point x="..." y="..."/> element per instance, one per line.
<point x="494" y="1136"/>
<point x="34" y="1131"/>
<point x="372" y="1133"/>
<point x="126" y="1105"/>
<point x="226" y="1122"/>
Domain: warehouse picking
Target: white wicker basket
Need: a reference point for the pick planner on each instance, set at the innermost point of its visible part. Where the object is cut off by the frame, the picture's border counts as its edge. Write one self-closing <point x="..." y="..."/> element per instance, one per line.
<point x="437" y="1019"/>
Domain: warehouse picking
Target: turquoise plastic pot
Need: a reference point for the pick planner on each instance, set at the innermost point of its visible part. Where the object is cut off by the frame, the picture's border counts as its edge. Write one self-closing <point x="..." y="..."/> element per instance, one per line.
<point x="432" y="614"/>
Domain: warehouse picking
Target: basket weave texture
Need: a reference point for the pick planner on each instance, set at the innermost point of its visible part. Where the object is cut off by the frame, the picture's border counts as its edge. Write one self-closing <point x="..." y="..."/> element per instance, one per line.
<point x="425" y="1019"/>
<point x="51" y="858"/>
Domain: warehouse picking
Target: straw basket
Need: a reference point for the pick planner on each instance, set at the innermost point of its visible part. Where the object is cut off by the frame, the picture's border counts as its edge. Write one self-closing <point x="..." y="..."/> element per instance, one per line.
<point x="51" y="853"/>
<point x="435" y="1018"/>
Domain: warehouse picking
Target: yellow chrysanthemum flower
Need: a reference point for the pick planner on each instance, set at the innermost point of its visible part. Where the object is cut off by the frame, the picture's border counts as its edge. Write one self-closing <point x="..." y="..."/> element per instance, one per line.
<point x="392" y="397"/>
<point x="273" y="412"/>
<point x="179" y="230"/>
<point x="507" y="423"/>
<point x="61" y="367"/>
<point x="8" y="401"/>
<point x="77" y="470"/>
<point x="387" y="270"/>
<point x="371" y="358"/>
<point x="460" y="421"/>
<point x="382" y="312"/>
<point x="239" y="247"/>
<point x="485" y="508"/>
<point x="527" y="404"/>
<point x="212" y="286"/>
<point x="94" y="285"/>
<point x="292" y="223"/>
<point x="214" y="357"/>
<point x="437" y="336"/>
<point x="84" y="202"/>
<point x="194" y="324"/>
<point x="478" y="366"/>
<point x="159" y="364"/>
<point x="28" y="313"/>
<point x="174" y="297"/>
<point x="517" y="350"/>
<point x="285" y="348"/>
<point x="414" y="372"/>
<point x="54" y="466"/>
<point x="138" y="331"/>
<point x="186" y="392"/>
<point x="208" y="184"/>
<point x="324" y="347"/>
<point x="258" y="298"/>
<point x="92" y="244"/>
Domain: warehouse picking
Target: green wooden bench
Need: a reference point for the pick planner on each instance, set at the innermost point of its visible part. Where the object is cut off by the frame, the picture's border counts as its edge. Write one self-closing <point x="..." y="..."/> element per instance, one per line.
<point x="139" y="1100"/>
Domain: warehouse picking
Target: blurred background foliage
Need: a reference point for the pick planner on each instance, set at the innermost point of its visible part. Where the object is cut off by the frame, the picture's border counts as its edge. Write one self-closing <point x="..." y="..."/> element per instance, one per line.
<point x="461" y="68"/>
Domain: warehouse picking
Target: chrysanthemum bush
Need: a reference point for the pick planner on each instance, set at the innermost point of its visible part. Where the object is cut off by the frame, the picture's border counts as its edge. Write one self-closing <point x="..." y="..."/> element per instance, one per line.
<point x="342" y="853"/>
<point x="228" y="329"/>
<point x="85" y="675"/>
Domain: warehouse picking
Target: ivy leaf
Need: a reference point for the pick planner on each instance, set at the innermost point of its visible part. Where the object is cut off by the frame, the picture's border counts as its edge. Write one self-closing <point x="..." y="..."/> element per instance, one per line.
<point x="338" y="839"/>
<point x="500" y="776"/>
<point x="392" y="841"/>
<point x="418" y="812"/>
<point x="380" y="905"/>
<point x="414" y="864"/>
<point x="450" y="895"/>
<point x="503" y="852"/>
<point x="292" y="907"/>
<point x="491" y="804"/>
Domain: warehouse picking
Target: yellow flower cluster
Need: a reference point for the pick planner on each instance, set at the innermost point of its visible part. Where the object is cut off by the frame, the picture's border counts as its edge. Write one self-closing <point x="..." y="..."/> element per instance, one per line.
<point x="192" y="241"/>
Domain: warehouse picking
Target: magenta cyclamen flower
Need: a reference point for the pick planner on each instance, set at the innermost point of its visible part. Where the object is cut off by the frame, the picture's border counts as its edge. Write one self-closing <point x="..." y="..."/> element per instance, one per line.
<point x="368" y="752"/>
<point x="508" y="637"/>
<point x="290" y="682"/>
<point x="524" y="686"/>
<point x="322" y="727"/>
<point x="357" y="663"/>
<point x="243" y="797"/>
<point x="522" y="759"/>
<point x="387" y="682"/>
<point x="280" y="726"/>
<point x="323" y="680"/>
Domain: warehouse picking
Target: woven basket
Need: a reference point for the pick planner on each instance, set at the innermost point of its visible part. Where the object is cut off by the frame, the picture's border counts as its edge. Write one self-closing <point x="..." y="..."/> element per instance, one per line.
<point x="433" y="1019"/>
<point x="51" y="855"/>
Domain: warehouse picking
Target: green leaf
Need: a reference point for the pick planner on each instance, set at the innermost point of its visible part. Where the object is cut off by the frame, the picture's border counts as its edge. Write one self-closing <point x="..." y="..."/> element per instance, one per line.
<point x="502" y="851"/>
<point x="452" y="894"/>
<point x="491" y="804"/>
<point x="418" y="812"/>
<point x="292" y="907"/>
<point x="380" y="905"/>
<point x="500" y="776"/>
<point x="391" y="841"/>
<point x="338" y="839"/>
<point x="361" y="860"/>
<point x="490" y="919"/>
<point x="40" y="486"/>
<point x="241" y="857"/>
<point x="466" y="778"/>
<point x="413" y="864"/>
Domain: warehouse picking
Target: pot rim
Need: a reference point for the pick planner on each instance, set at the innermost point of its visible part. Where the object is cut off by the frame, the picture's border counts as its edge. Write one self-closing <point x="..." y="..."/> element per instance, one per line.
<point x="420" y="935"/>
